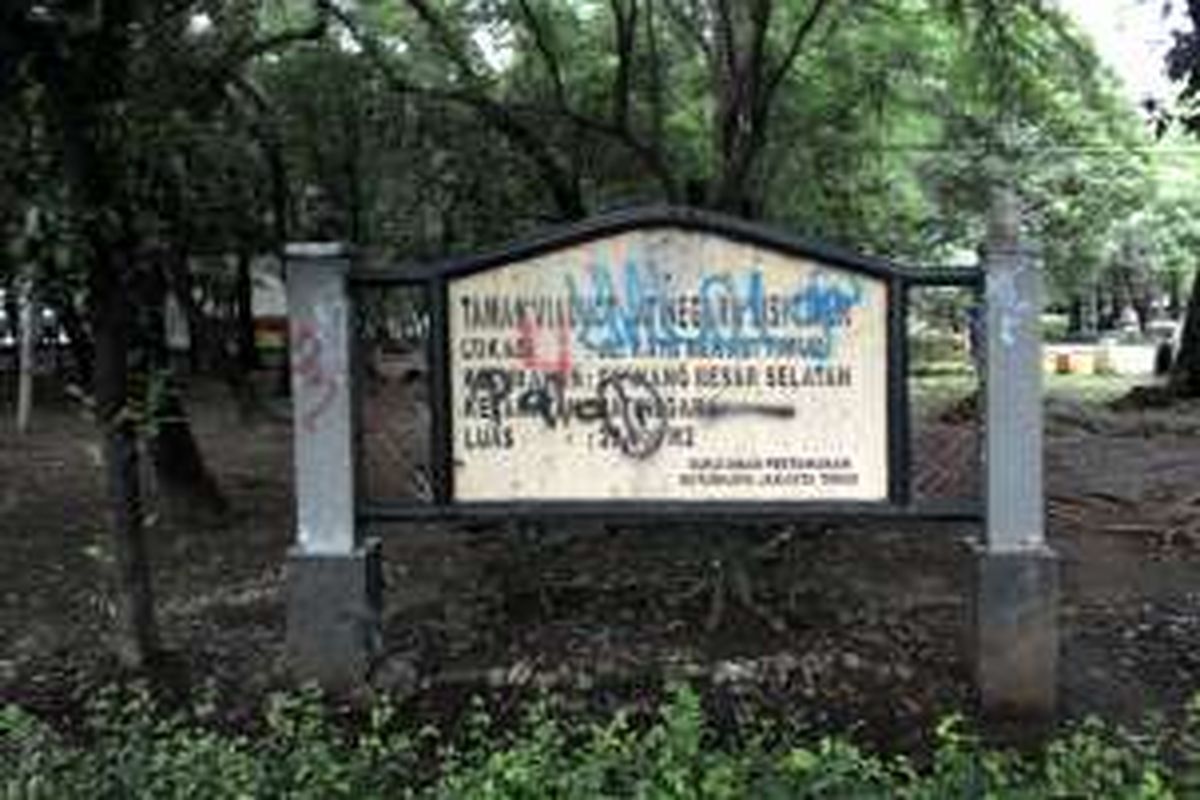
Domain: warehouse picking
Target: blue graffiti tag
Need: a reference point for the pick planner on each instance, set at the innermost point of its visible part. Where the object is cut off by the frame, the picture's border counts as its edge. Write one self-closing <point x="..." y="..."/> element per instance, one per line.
<point x="729" y="315"/>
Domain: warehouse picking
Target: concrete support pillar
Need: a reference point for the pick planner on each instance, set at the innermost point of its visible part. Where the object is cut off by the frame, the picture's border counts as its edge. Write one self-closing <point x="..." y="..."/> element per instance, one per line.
<point x="333" y="578"/>
<point x="1016" y="608"/>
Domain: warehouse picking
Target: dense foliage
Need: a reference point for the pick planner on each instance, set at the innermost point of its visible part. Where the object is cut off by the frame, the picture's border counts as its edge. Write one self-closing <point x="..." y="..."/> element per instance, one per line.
<point x="130" y="748"/>
<point x="429" y="128"/>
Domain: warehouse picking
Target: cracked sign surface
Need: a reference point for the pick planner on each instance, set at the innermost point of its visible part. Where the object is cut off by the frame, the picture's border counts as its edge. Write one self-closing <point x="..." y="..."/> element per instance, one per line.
<point x="668" y="364"/>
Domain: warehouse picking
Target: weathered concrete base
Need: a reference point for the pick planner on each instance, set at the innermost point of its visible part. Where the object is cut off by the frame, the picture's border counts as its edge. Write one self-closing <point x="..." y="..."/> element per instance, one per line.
<point x="1016" y="637"/>
<point x="334" y="608"/>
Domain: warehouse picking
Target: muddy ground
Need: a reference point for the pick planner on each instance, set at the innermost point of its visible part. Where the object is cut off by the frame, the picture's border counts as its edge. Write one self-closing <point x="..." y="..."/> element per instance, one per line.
<point x="835" y="626"/>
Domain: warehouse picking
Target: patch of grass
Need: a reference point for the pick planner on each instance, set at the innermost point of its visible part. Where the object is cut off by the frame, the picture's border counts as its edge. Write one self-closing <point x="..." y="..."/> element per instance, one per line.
<point x="1091" y="389"/>
<point x="939" y="390"/>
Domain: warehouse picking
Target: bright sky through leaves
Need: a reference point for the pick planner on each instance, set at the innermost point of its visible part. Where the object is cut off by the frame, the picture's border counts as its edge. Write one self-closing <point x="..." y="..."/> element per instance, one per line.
<point x="1133" y="37"/>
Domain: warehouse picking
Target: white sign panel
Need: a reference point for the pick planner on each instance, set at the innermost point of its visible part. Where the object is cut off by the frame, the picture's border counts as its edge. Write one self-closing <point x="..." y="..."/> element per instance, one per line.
<point x="668" y="364"/>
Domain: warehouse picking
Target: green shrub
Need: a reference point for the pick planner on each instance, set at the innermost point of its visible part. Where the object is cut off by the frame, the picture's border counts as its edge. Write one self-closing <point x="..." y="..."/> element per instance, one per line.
<point x="937" y="347"/>
<point x="131" y="747"/>
<point x="1055" y="327"/>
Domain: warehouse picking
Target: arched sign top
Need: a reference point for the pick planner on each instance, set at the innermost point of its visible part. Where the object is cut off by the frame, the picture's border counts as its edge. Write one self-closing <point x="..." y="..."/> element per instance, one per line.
<point x="667" y="355"/>
<point x="662" y="217"/>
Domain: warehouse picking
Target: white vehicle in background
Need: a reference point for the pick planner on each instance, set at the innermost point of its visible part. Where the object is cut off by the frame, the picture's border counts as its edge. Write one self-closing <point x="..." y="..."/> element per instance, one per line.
<point x="1169" y="331"/>
<point x="49" y="332"/>
<point x="8" y="328"/>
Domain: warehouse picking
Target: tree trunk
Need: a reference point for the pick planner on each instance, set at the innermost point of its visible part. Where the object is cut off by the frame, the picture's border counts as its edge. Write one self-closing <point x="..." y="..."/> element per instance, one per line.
<point x="78" y="340"/>
<point x="81" y="84"/>
<point x="1075" y="316"/>
<point x="239" y="368"/>
<point x="1174" y="290"/>
<point x="1140" y="301"/>
<point x="738" y="113"/>
<point x="1185" y="373"/>
<point x="26" y="353"/>
<point x="200" y="334"/>
<point x="59" y="297"/>
<point x="247" y="347"/>
<point x="137" y="642"/>
<point x="1091" y="312"/>
<point x="186" y="487"/>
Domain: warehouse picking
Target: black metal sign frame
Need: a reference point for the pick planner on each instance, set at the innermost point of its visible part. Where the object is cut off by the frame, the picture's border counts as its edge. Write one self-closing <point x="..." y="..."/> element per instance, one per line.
<point x="898" y="280"/>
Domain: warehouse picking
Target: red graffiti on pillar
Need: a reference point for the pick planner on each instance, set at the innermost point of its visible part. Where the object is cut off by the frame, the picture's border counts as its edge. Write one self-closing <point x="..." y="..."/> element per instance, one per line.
<point x="308" y="363"/>
<point x="528" y="345"/>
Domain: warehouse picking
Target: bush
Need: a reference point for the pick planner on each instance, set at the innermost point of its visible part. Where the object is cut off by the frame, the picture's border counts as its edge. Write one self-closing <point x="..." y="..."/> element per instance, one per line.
<point x="129" y="747"/>
<point x="932" y="349"/>
<point x="1055" y="327"/>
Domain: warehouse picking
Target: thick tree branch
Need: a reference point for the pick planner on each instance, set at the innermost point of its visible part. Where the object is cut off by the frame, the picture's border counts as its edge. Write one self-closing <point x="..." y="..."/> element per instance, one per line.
<point x="619" y="129"/>
<point x="657" y="112"/>
<point x="760" y="23"/>
<point x="453" y="49"/>
<point x="541" y="41"/>
<point x="803" y="30"/>
<point x="625" y="31"/>
<point x="726" y="36"/>
<point x="503" y="117"/>
<point x="281" y="40"/>
<point x="693" y="27"/>
<point x="563" y="186"/>
<point x="649" y="154"/>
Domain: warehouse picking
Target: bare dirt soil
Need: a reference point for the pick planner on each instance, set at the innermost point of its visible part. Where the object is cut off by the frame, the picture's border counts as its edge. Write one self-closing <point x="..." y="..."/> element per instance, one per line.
<point x="853" y="625"/>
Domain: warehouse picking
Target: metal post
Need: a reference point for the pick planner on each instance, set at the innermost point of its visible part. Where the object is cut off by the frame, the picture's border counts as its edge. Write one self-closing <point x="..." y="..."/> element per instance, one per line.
<point x="1016" y="605"/>
<point x="333" y="577"/>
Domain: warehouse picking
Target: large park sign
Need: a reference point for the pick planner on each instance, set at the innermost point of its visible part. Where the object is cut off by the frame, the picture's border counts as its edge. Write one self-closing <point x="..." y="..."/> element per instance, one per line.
<point x="665" y="363"/>
<point x="668" y="363"/>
